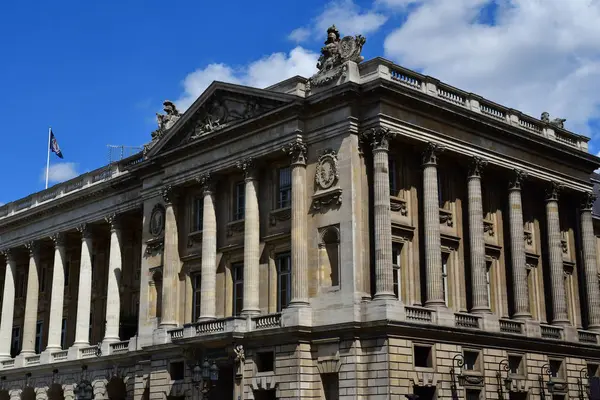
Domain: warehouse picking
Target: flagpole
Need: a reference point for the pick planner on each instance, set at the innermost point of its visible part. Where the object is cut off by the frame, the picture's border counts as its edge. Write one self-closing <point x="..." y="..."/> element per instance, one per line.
<point x="48" y="159"/>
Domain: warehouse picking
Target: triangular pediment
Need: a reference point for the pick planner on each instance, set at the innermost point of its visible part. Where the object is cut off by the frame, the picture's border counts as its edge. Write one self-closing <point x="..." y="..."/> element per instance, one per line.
<point x="220" y="107"/>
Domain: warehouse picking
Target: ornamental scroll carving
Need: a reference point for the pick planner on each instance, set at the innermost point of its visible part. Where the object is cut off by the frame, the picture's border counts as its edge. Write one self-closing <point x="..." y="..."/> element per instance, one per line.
<point x="326" y="178"/>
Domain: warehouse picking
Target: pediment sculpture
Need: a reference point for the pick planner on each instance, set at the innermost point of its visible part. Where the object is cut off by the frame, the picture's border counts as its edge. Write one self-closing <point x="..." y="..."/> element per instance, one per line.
<point x="558" y="122"/>
<point x="334" y="55"/>
<point x="165" y="122"/>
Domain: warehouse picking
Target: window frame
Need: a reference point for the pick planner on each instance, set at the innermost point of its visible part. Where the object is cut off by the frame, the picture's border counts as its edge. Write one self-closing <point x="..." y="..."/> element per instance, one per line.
<point x="63" y="333"/>
<point x="393" y="176"/>
<point x="237" y="286"/>
<point x="39" y="336"/>
<point x="445" y="275"/>
<point x="286" y="200"/>
<point x="287" y="275"/>
<point x="478" y="365"/>
<point x="18" y="338"/>
<point x="196" y="296"/>
<point x="197" y="213"/>
<point x="397" y="269"/>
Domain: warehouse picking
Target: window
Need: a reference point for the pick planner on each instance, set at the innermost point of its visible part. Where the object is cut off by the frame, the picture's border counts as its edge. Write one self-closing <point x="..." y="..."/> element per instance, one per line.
<point x="424" y="392"/>
<point x="556" y="369"/>
<point x="90" y="331"/>
<point x="445" y="258"/>
<point x="396" y="251"/>
<point x="441" y="201"/>
<point x="177" y="370"/>
<point x="285" y="188"/>
<point x="329" y="256"/>
<point x="240" y="201"/>
<point x="43" y="279"/>
<point x="15" y="346"/>
<point x="331" y="386"/>
<point x="393" y="177"/>
<point x="67" y="273"/>
<point x="423" y="355"/>
<point x="284" y="280"/>
<point x="472" y="394"/>
<point x="20" y="285"/>
<point x="265" y="361"/>
<point x="515" y="365"/>
<point x="237" y="271"/>
<point x="197" y="280"/>
<point x="198" y="214"/>
<point x="593" y="370"/>
<point x="39" y="331"/>
<point x="63" y="333"/>
<point x="472" y="360"/>
<point x="488" y="282"/>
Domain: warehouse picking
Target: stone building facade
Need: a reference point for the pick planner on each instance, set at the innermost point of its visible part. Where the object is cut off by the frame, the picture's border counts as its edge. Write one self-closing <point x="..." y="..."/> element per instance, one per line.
<point x="367" y="233"/>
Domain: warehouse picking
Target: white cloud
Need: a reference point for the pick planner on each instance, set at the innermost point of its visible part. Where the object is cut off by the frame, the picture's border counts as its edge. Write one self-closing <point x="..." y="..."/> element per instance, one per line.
<point x="260" y="73"/>
<point x="347" y="16"/>
<point x="60" y="172"/>
<point x="540" y="55"/>
<point x="299" y="35"/>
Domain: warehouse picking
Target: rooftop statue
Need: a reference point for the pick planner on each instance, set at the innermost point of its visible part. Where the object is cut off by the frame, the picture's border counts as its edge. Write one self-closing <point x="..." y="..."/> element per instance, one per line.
<point x="167" y="120"/>
<point x="335" y="54"/>
<point x="558" y="122"/>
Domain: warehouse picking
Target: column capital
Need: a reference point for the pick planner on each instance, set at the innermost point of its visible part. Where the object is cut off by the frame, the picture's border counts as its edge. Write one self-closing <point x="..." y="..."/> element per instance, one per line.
<point x="519" y="176"/>
<point x="297" y="150"/>
<point x="476" y="166"/>
<point x="168" y="194"/>
<point x="553" y="191"/>
<point x="431" y="152"/>
<point x="8" y="255"/>
<point x="59" y="239"/>
<point x="248" y="167"/>
<point x="587" y="201"/>
<point x="32" y="247"/>
<point x="378" y="138"/>
<point x="114" y="221"/>
<point x="207" y="183"/>
<point x="85" y="230"/>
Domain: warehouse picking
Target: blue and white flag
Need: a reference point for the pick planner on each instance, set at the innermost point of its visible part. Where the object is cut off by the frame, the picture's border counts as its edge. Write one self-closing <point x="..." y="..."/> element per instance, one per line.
<point x="54" y="145"/>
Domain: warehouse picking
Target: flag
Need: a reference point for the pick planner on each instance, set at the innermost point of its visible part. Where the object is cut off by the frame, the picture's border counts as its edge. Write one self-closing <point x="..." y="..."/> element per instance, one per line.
<point x="54" y="145"/>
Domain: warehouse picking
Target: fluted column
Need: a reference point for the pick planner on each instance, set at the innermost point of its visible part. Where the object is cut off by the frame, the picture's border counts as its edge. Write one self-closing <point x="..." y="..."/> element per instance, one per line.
<point x="8" y="305"/>
<point x="208" y="294"/>
<point x="251" y="239"/>
<point x="297" y="150"/>
<point x="590" y="262"/>
<point x="479" y="288"/>
<point x="58" y="293"/>
<point x="379" y="138"/>
<point x="171" y="263"/>
<point x="517" y="247"/>
<point x="431" y="222"/>
<point x="84" y="292"/>
<point x="31" y="301"/>
<point x="113" y="296"/>
<point x="559" y="301"/>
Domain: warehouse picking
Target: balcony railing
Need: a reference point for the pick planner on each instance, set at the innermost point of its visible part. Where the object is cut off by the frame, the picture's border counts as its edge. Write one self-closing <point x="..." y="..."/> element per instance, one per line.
<point x="466" y="320"/>
<point x="419" y="314"/>
<point x="8" y="363"/>
<point x="60" y="355"/>
<point x="588" y="337"/>
<point x="210" y="327"/>
<point x="119" y="347"/>
<point x="511" y="326"/>
<point x="551" y="332"/>
<point x="32" y="360"/>
<point x="176" y="334"/>
<point x="268" y="321"/>
<point x="91" y="351"/>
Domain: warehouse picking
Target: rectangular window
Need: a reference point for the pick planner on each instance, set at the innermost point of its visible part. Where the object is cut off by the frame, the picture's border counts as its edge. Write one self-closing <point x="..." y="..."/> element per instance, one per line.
<point x="445" y="258"/>
<point x="396" y="251"/>
<point x="284" y="280"/>
<point x="557" y="369"/>
<point x="237" y="272"/>
<point x="393" y="177"/>
<point x="63" y="333"/>
<point x="472" y="394"/>
<point x="423" y="356"/>
<point x="331" y="386"/>
<point x="472" y="360"/>
<point x="90" y="331"/>
<point x="198" y="214"/>
<point x="488" y="282"/>
<point x="240" y="201"/>
<point x="197" y="279"/>
<point x="15" y="346"/>
<point x="285" y="188"/>
<point x="515" y="365"/>
<point x="43" y="279"/>
<point x="39" y="331"/>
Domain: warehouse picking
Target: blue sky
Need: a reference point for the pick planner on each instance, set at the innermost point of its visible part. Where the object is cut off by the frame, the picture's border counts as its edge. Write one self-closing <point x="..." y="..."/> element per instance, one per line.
<point x="98" y="71"/>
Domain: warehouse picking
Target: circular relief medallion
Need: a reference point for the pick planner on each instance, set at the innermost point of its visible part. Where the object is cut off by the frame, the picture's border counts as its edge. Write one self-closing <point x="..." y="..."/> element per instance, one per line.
<point x="347" y="47"/>
<point x="157" y="220"/>
<point x="326" y="172"/>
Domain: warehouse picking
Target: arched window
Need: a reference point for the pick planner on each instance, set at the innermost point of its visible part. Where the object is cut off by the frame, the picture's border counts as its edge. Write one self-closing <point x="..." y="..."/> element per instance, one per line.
<point x="329" y="255"/>
<point x="157" y="281"/>
<point x="116" y="389"/>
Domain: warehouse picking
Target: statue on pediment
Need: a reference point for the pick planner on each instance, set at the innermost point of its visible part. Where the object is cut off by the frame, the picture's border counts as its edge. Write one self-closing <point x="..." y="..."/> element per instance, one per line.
<point x="558" y="122"/>
<point x="167" y="120"/>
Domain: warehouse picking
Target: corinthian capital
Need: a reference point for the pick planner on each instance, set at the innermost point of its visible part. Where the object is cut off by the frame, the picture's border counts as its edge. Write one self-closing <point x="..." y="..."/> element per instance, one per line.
<point x="85" y="230"/>
<point x="7" y="254"/>
<point x="378" y="138"/>
<point x="168" y="194"/>
<point x="58" y="239"/>
<point x="114" y="221"/>
<point x="553" y="191"/>
<point x="517" y="180"/>
<point x="587" y="201"/>
<point x="207" y="183"/>
<point x="248" y="168"/>
<point x="476" y="166"/>
<point x="297" y="151"/>
<point x="431" y="152"/>
<point x="33" y="248"/>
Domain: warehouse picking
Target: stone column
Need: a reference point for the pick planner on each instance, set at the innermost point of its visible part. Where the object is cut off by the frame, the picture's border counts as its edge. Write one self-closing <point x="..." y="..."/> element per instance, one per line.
<point x="477" y="242"/>
<point x="58" y="293"/>
<point x="559" y="301"/>
<point x="208" y="295"/>
<point x="517" y="247"/>
<point x="431" y="228"/>
<point x="113" y="296"/>
<point x="590" y="262"/>
<point x="297" y="150"/>
<point x="31" y="301"/>
<point x="251" y="239"/>
<point x="171" y="263"/>
<point x="84" y="292"/>
<point x="8" y="305"/>
<point x="379" y="139"/>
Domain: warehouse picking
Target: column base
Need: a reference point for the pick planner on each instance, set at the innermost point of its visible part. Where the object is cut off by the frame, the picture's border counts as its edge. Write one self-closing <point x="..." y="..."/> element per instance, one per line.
<point x="299" y="303"/>
<point x="561" y="322"/>
<point x="383" y="295"/>
<point x="522" y="315"/>
<point x="481" y="310"/>
<point x="5" y="357"/>
<point x="167" y="325"/>
<point x="206" y="318"/>
<point x="250" y="313"/>
<point x="436" y="304"/>
<point x="593" y="328"/>
<point x="81" y="344"/>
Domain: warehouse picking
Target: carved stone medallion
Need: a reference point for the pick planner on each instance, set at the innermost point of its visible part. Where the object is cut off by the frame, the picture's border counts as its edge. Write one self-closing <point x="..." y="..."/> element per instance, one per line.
<point x="327" y="171"/>
<point x="157" y="220"/>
